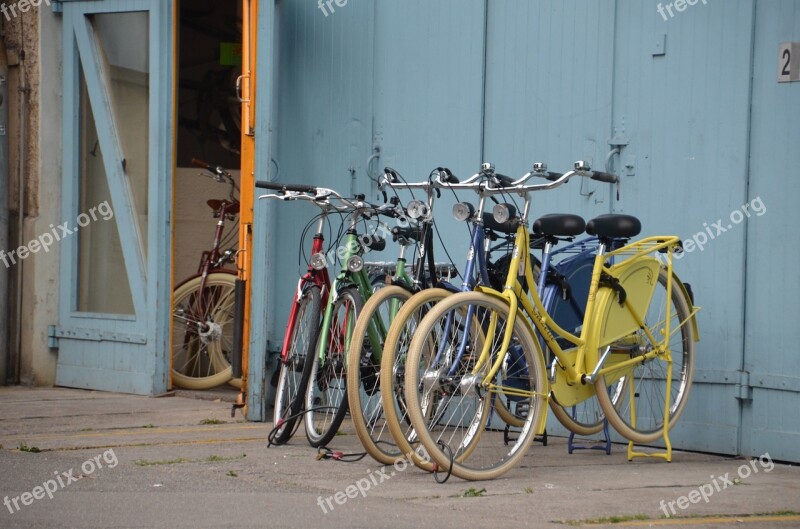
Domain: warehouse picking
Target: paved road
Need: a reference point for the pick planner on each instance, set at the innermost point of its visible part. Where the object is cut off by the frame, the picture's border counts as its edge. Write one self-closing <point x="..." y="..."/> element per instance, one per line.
<point x="120" y="461"/>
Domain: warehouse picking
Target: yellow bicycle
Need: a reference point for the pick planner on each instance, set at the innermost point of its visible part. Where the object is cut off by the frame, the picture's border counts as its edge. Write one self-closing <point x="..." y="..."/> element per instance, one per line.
<point x="634" y="351"/>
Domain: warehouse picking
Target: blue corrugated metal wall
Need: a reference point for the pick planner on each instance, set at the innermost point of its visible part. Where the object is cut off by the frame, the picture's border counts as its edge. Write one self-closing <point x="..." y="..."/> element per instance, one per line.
<point x="686" y="115"/>
<point x="693" y="101"/>
<point x="770" y="421"/>
<point x="323" y="113"/>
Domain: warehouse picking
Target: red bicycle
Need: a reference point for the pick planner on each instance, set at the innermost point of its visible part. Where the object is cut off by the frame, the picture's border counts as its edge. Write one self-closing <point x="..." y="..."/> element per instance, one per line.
<point x="203" y="304"/>
<point x="302" y="329"/>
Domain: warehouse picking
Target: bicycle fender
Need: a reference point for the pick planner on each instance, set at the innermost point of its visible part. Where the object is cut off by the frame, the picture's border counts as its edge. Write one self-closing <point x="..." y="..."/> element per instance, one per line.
<point x="689" y="302"/>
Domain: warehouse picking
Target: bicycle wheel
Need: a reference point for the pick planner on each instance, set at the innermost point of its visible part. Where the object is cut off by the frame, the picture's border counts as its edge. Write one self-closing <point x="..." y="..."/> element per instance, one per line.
<point x="326" y="395"/>
<point x="363" y="372"/>
<point x="202" y="332"/>
<point x="647" y="382"/>
<point x="393" y="363"/>
<point x="296" y="367"/>
<point x="452" y="406"/>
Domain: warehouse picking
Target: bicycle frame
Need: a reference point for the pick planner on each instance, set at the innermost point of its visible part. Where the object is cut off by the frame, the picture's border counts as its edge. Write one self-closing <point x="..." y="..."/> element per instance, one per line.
<point x="377" y="327"/>
<point x="319" y="278"/>
<point x="476" y="258"/>
<point x="210" y="262"/>
<point x="359" y="279"/>
<point x="592" y="337"/>
<point x="213" y="256"/>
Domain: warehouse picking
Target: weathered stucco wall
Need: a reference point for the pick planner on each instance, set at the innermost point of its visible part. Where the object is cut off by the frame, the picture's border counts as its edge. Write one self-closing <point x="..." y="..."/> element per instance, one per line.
<point x="33" y="42"/>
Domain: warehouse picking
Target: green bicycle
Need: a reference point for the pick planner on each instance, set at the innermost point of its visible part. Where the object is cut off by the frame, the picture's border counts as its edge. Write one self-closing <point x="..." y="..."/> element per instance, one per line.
<point x="326" y="394"/>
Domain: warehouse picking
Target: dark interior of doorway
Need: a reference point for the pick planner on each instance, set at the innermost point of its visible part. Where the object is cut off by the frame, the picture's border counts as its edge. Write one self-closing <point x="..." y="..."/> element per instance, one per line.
<point x="208" y="128"/>
<point x="209" y="121"/>
<point x="209" y="112"/>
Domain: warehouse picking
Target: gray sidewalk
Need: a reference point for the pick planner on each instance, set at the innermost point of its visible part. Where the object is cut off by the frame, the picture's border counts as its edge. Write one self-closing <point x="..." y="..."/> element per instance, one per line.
<point x="184" y="462"/>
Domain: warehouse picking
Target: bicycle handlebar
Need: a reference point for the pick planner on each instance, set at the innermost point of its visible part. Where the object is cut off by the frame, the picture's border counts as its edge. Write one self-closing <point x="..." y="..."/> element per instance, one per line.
<point x="502" y="180"/>
<point x="581" y="168"/>
<point x="540" y="170"/>
<point x="203" y="165"/>
<point x="220" y="174"/>
<point x="299" y="188"/>
<point x="604" y="177"/>
<point x="449" y="177"/>
<point x="393" y="179"/>
<point x="322" y="198"/>
<point x="219" y="171"/>
<point x="584" y="169"/>
<point x="481" y="182"/>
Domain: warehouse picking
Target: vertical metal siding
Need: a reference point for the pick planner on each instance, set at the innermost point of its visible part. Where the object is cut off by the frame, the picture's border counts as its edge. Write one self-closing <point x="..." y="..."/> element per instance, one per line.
<point x="428" y="85"/>
<point x="685" y="114"/>
<point x="771" y="422"/>
<point x="561" y="79"/>
<point x="323" y="105"/>
<point x="428" y="97"/>
<point x="548" y="95"/>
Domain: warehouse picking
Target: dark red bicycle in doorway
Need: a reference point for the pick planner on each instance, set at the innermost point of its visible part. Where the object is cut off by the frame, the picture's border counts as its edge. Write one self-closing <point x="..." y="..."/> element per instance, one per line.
<point x="203" y="304"/>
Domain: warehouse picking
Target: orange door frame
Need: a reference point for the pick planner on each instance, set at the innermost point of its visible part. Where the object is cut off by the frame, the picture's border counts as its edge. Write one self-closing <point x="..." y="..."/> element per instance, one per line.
<point x="246" y="86"/>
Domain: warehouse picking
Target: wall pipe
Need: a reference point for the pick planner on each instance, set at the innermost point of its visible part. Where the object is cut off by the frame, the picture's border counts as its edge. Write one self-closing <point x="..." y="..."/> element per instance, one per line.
<point x="5" y="356"/>
<point x="23" y="143"/>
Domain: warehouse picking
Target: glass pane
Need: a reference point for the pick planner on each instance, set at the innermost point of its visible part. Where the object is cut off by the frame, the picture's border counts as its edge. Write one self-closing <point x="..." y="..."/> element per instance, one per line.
<point x="124" y="39"/>
<point x="103" y="285"/>
<point x="101" y="263"/>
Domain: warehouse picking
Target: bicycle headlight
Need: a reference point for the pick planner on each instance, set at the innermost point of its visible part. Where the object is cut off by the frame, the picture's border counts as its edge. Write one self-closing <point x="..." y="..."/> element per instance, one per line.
<point x="503" y="212"/>
<point x="417" y="209"/>
<point x="318" y="261"/>
<point x="463" y="211"/>
<point x="355" y="263"/>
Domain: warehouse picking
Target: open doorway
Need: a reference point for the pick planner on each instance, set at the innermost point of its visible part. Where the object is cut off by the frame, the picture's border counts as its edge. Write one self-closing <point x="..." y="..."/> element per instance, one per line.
<point x="209" y="129"/>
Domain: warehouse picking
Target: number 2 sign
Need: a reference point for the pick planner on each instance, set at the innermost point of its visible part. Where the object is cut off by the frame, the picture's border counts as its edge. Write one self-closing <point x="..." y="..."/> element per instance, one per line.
<point x="789" y="62"/>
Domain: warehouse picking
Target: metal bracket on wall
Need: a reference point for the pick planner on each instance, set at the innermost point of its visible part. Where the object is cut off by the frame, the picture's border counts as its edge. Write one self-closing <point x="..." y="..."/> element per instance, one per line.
<point x="743" y="389"/>
<point x="617" y="143"/>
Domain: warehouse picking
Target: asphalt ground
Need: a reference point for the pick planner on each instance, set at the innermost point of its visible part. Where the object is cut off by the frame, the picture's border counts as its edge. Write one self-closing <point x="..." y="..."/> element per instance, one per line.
<point x="83" y="459"/>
